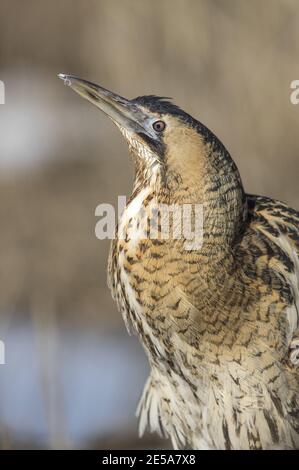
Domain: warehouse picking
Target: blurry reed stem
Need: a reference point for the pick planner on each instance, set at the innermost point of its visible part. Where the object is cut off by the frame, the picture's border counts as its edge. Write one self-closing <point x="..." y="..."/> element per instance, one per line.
<point x="46" y="334"/>
<point x="5" y="435"/>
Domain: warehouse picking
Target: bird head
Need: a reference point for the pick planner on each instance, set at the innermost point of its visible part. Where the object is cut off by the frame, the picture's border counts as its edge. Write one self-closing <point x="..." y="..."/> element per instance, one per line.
<point x="192" y="164"/>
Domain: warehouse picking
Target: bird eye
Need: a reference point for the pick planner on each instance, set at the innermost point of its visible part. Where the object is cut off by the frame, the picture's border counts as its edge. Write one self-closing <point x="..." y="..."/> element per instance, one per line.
<point x="159" y="126"/>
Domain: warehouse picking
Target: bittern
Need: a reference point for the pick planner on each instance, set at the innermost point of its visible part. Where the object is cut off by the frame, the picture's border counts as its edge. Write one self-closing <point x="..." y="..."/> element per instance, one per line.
<point x="219" y="323"/>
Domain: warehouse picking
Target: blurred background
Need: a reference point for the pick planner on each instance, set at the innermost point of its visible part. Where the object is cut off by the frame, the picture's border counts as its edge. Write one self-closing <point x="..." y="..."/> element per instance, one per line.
<point x="73" y="376"/>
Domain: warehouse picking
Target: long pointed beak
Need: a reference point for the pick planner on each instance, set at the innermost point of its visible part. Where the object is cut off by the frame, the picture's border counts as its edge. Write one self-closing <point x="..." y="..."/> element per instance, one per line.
<point x="122" y="111"/>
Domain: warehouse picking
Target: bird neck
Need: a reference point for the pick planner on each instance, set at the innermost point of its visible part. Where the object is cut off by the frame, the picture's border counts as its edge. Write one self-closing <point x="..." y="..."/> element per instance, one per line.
<point x="224" y="203"/>
<point x="216" y="187"/>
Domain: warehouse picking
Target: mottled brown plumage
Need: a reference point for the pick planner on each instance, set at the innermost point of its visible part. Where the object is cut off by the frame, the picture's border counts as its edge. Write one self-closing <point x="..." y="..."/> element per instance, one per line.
<point x="219" y="324"/>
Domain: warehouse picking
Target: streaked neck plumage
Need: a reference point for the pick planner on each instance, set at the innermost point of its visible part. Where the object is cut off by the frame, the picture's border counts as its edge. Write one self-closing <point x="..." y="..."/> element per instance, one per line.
<point x="212" y="180"/>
